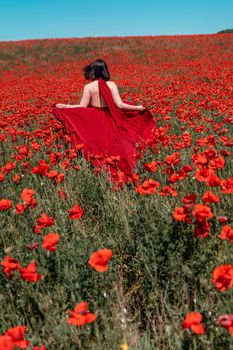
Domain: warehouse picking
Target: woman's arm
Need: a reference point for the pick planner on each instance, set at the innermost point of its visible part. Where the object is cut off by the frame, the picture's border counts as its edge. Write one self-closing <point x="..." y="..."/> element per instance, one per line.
<point x="62" y="105"/>
<point x="84" y="100"/>
<point x="120" y="104"/>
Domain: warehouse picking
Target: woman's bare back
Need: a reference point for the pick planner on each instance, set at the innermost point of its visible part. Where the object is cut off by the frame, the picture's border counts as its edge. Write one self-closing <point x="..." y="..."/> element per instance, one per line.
<point x="96" y="99"/>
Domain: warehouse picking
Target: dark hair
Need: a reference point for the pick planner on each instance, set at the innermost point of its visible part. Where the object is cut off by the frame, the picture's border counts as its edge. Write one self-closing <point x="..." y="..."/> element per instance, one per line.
<point x="97" y="69"/>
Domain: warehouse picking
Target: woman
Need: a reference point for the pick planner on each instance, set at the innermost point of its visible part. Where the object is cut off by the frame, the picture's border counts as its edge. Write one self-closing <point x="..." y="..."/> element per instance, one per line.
<point x="103" y="123"/>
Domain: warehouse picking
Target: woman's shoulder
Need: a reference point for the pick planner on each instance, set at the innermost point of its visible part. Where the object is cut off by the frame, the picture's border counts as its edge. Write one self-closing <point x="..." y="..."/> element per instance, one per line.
<point x="111" y="82"/>
<point x="112" y="85"/>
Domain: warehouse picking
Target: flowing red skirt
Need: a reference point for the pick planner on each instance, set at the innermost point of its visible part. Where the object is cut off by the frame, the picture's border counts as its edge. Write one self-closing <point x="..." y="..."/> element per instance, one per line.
<point x="107" y="131"/>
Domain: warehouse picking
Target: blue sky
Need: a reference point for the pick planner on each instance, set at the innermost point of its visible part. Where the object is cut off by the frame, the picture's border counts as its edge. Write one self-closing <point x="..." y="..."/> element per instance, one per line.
<point x="32" y="19"/>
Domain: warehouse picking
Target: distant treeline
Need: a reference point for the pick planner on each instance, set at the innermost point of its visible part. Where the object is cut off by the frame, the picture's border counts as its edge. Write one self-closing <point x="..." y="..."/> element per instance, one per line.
<point x="225" y="31"/>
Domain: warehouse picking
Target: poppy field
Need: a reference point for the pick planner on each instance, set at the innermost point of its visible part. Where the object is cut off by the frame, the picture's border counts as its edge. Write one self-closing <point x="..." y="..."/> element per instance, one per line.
<point x="90" y="263"/>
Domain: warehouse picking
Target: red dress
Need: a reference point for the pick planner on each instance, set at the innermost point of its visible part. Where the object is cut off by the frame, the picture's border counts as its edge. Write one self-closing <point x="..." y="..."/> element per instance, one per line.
<point x="107" y="131"/>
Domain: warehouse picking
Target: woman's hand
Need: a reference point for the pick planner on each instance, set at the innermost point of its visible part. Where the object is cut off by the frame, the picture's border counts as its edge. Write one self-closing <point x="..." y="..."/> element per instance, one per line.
<point x="141" y="108"/>
<point x="60" y="105"/>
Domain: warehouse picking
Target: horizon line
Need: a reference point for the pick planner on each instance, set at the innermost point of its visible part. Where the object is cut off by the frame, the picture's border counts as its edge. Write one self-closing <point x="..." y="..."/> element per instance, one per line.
<point x="111" y="36"/>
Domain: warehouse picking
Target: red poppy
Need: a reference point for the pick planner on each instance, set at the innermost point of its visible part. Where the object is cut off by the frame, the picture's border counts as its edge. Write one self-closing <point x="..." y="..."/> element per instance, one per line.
<point x="35" y="146"/>
<point x="55" y="157"/>
<point x="20" y="208"/>
<point x="226" y="186"/>
<point x="9" y="265"/>
<point x="60" y="178"/>
<point x="99" y="259"/>
<point x="187" y="168"/>
<point x="226" y="321"/>
<point x="152" y="167"/>
<point x="6" y="343"/>
<point x="226" y="233"/>
<point x="222" y="218"/>
<point x="149" y="186"/>
<point x="66" y="164"/>
<point x="193" y="321"/>
<point x="202" y="229"/>
<point x="199" y="160"/>
<point x="225" y="153"/>
<point x="81" y="315"/>
<point x="180" y="214"/>
<point x="173" y="159"/>
<point x="50" y="241"/>
<point x="43" y="221"/>
<point x="41" y="347"/>
<point x="77" y="167"/>
<point x="112" y="160"/>
<point x="202" y="212"/>
<point x="173" y="178"/>
<point x="52" y="174"/>
<point x="5" y="204"/>
<point x="203" y="174"/>
<point x="27" y="196"/>
<point x="9" y="167"/>
<point x="16" y="178"/>
<point x="76" y="212"/>
<point x="17" y="335"/>
<point x="120" y="178"/>
<point x="223" y="277"/>
<point x="29" y="273"/>
<point x="189" y="200"/>
<point x="23" y="150"/>
<point x="213" y="180"/>
<point x="209" y="197"/>
<point x="42" y="168"/>
<point x="217" y="163"/>
<point x="25" y="165"/>
<point x="166" y="190"/>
